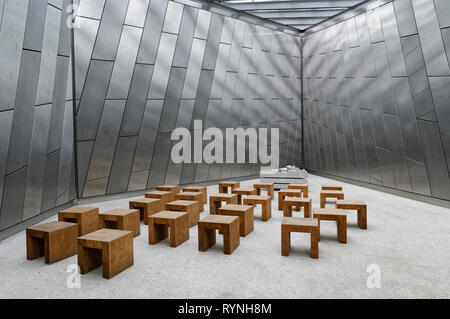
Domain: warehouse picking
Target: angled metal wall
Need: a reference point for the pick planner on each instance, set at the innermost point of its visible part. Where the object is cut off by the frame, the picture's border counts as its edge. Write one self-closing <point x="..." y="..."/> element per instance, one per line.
<point x="36" y="131"/>
<point x="377" y="97"/>
<point x="145" y="67"/>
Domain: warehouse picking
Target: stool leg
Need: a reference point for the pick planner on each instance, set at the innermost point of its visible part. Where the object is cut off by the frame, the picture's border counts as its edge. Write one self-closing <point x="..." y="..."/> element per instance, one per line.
<point x="285" y="242"/>
<point x="88" y="258"/>
<point x="206" y="238"/>
<point x="287" y="210"/>
<point x="280" y="201"/>
<point x="35" y="246"/>
<point x="322" y="201"/>
<point x="230" y="237"/>
<point x="308" y="210"/>
<point x="179" y="231"/>
<point x="342" y="230"/>
<point x="267" y="210"/>
<point x="156" y="232"/>
<point x="314" y="244"/>
<point x="258" y="191"/>
<point x="362" y="217"/>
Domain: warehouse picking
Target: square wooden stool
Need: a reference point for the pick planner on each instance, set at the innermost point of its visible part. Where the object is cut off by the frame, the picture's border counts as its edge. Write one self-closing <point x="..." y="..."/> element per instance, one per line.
<point x="282" y="193"/>
<point x="201" y="189"/>
<point x="264" y="201"/>
<point x="337" y="215"/>
<point x="329" y="187"/>
<point x="147" y="207"/>
<point x="55" y="240"/>
<point x="121" y="219"/>
<point x="174" y="189"/>
<point x="215" y="201"/>
<point x="165" y="196"/>
<point x="228" y="225"/>
<point x="302" y="187"/>
<point x="329" y="194"/>
<point x="243" y="191"/>
<point x="194" y="196"/>
<point x="267" y="186"/>
<point x="289" y="202"/>
<point x="223" y="186"/>
<point x="357" y="205"/>
<point x="300" y="225"/>
<point x="188" y="206"/>
<point x="85" y="217"/>
<point x="160" y="223"/>
<point x="245" y="214"/>
<point x="108" y="247"/>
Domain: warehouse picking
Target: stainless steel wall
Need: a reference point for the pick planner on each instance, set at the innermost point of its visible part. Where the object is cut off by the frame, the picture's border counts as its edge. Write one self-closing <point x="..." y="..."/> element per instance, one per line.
<point x="377" y="97"/>
<point x="36" y="131"/>
<point x="145" y="67"/>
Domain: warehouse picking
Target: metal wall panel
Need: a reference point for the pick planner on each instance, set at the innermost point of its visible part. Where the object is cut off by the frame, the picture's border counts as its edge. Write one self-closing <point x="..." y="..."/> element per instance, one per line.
<point x="137" y="11"/>
<point x="172" y="102"/>
<point x="91" y="8"/>
<point x="173" y="17"/>
<point x="202" y="26"/>
<point x="14" y="191"/>
<point x="193" y="69"/>
<point x="185" y="37"/>
<point x="121" y="167"/>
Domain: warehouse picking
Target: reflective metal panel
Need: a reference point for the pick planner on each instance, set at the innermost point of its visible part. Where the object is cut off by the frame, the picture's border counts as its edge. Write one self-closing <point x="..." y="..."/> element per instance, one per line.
<point x="173" y="98"/>
<point x="443" y="12"/>
<point x="14" y="191"/>
<point x="173" y="17"/>
<point x="212" y="43"/>
<point x="66" y="160"/>
<point x="121" y="167"/>
<point x="220" y="71"/>
<point x="36" y="21"/>
<point x="160" y="159"/>
<point x="203" y="22"/>
<point x="91" y="8"/>
<point x="50" y="181"/>
<point x="405" y="17"/>
<point x="5" y="131"/>
<point x="185" y="35"/>
<point x="137" y="11"/>
<point x="194" y="68"/>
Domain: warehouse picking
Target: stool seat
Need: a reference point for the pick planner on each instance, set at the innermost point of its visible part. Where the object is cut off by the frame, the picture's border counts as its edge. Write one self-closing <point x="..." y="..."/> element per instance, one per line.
<point x="302" y="187"/>
<point x="297" y="202"/>
<point x="239" y="191"/>
<point x="223" y="186"/>
<point x="174" y="189"/>
<point x="264" y="201"/>
<point x="165" y="196"/>
<point x="337" y="215"/>
<point x="121" y="219"/>
<point x="189" y="206"/>
<point x="228" y="225"/>
<point x="201" y="189"/>
<point x="194" y="196"/>
<point x="282" y="193"/>
<point x="215" y="201"/>
<point x="146" y="206"/>
<point x="331" y="187"/>
<point x="160" y="223"/>
<point x="267" y="186"/>
<point x="302" y="225"/>
<point x="85" y="217"/>
<point x="245" y="214"/>
<point x="358" y="205"/>
<point x="329" y="194"/>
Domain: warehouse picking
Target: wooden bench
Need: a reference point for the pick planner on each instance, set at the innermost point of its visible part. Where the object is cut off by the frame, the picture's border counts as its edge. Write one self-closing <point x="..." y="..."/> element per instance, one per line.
<point x="282" y="193"/>
<point x="324" y="195"/>
<point x="357" y="205"/>
<point x="55" y="240"/>
<point x="300" y="225"/>
<point x="264" y="201"/>
<point x="223" y="186"/>
<point x="174" y="189"/>
<point x="297" y="202"/>
<point x="329" y="187"/>
<point x="85" y="217"/>
<point x="188" y="206"/>
<point x="160" y="223"/>
<point x="147" y="207"/>
<point x="228" y="225"/>
<point x="201" y="189"/>
<point x="269" y="187"/>
<point x="245" y="214"/>
<point x="194" y="196"/>
<point x="165" y="196"/>
<point x="243" y="191"/>
<point x="337" y="215"/>
<point x="121" y="219"/>
<point x="215" y="201"/>
<point x="302" y="187"/>
<point x="108" y="247"/>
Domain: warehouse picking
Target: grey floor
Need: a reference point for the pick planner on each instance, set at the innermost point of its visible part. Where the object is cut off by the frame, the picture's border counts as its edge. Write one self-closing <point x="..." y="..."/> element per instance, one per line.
<point x="408" y="240"/>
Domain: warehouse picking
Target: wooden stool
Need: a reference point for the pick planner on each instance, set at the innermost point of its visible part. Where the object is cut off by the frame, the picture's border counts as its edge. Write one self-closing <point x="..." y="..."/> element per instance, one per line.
<point x="85" y="217"/>
<point x="215" y="201"/>
<point x="337" y="215"/>
<point x="298" y="202"/>
<point x="188" y="206"/>
<point x="223" y="186"/>
<point x="302" y="187"/>
<point x="110" y="247"/>
<point x="332" y="187"/>
<point x="165" y="196"/>
<point x="201" y="189"/>
<point x="174" y="189"/>
<point x="268" y="186"/>
<point x="264" y="201"/>
<point x="300" y="225"/>
<point x="357" y="205"/>
<point x="159" y="223"/>
<point x="121" y="219"/>
<point x="147" y="207"/>
<point x="55" y="240"/>
<point x="332" y="194"/>
<point x="282" y="193"/>
<point x="243" y="191"/>
<point x="228" y="225"/>
<point x="194" y="196"/>
<point x="245" y="214"/>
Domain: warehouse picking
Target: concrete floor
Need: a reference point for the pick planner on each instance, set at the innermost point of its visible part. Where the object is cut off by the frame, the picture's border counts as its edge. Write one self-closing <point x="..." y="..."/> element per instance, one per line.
<point x="408" y="240"/>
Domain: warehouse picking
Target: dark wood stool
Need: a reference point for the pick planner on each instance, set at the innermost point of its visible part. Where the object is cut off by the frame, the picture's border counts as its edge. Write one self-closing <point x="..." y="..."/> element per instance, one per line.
<point x="245" y="214"/>
<point x="108" y="247"/>
<point x="264" y="201"/>
<point x="55" y="240"/>
<point x="188" y="206"/>
<point x="282" y="193"/>
<point x="223" y="186"/>
<point x="174" y="189"/>
<point x="201" y="189"/>
<point x="300" y="225"/>
<point x="147" y="207"/>
<point x="121" y="219"/>
<point x="357" y="205"/>
<point x="329" y="187"/>
<point x="243" y="191"/>
<point x="228" y="225"/>
<point x="297" y="202"/>
<point x="337" y="215"/>
<point x="267" y="186"/>
<point x="162" y="195"/>
<point x="302" y="187"/>
<point x="85" y="217"/>
<point x="215" y="201"/>
<point x="324" y="195"/>
<point x="194" y="196"/>
<point x="160" y="223"/>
